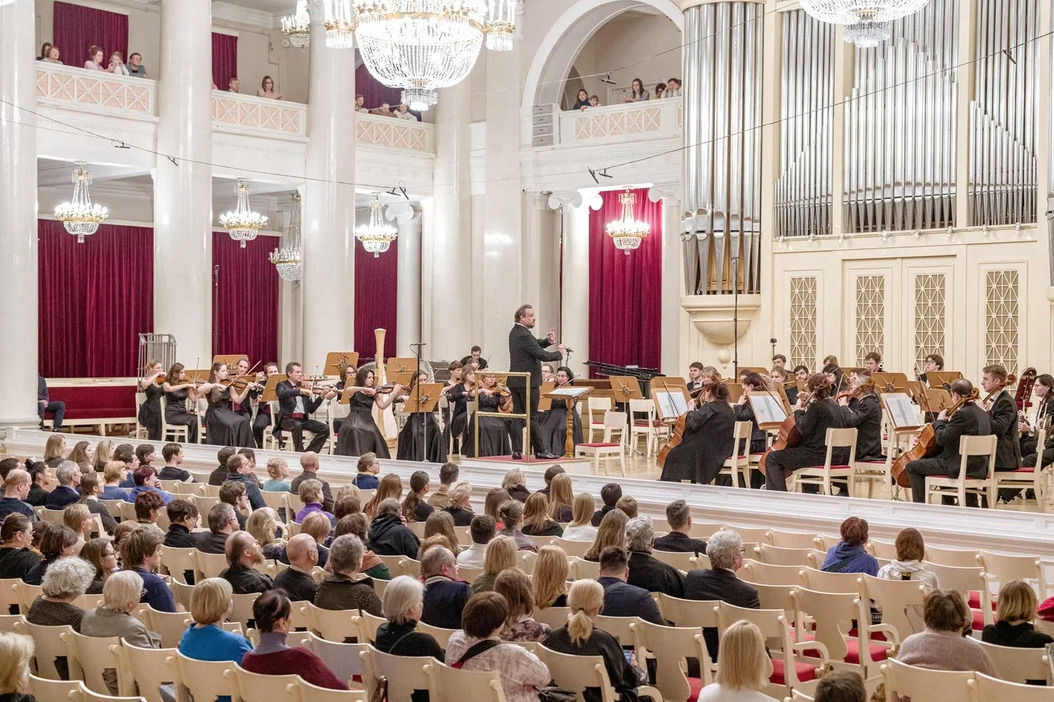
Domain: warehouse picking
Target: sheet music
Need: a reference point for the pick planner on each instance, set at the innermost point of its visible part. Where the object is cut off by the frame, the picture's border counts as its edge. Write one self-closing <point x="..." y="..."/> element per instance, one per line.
<point x="901" y="411"/>
<point x="574" y="392"/>
<point x="767" y="409"/>
<point x="666" y="402"/>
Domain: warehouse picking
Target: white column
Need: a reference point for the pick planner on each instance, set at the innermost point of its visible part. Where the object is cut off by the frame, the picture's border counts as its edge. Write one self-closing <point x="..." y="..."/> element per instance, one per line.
<point x="574" y="311"/>
<point x="183" y="190"/>
<point x="672" y="278"/>
<point x="409" y="281"/>
<point x="328" y="286"/>
<point x="290" y="305"/>
<point x="18" y="216"/>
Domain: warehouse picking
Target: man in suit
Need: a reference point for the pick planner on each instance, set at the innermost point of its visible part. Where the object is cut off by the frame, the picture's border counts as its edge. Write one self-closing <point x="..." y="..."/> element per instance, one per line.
<point x="725" y="550"/>
<point x="526" y="354"/>
<point x="645" y="570"/>
<point x="295" y="404"/>
<point x="695" y="376"/>
<point x="970" y="420"/>
<point x="620" y="598"/>
<point x="1002" y="413"/>
<point x="44" y="404"/>
<point x="679" y="517"/>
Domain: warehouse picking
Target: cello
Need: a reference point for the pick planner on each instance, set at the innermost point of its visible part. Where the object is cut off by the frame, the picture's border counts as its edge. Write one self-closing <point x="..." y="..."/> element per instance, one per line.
<point x="678" y="428"/>
<point x="787" y="437"/>
<point x="925" y="445"/>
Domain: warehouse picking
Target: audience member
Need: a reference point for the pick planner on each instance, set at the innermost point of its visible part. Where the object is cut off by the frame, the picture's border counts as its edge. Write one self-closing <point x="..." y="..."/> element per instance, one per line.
<point x="53" y="55"/>
<point x="218" y="476"/>
<point x="908" y="564"/>
<point x="95" y="58"/>
<point x="368" y="467"/>
<point x="9" y="464"/>
<point x="56" y="541"/>
<point x="318" y="527"/>
<point x="499" y="555"/>
<point x="561" y="498"/>
<point x="183" y="518"/>
<point x="243" y="553"/>
<point x="116" y="65"/>
<point x="17" y="558"/>
<point x="402" y="606"/>
<point x="390" y="486"/>
<point x="515" y="484"/>
<point x="620" y="598"/>
<point x="79" y="519"/>
<point x="448" y="473"/>
<point x="103" y="556"/>
<point x="145" y="479"/>
<point x="277" y="472"/>
<point x="113" y="475"/>
<point x="141" y="552"/>
<point x="659" y="89"/>
<point x="385" y="110"/>
<point x="482" y="530"/>
<point x="240" y="470"/>
<point x="415" y="507"/>
<point x="679" y="517"/>
<point x="458" y="505"/>
<point x="65" y="493"/>
<point x="211" y="603"/>
<point x="478" y="646"/>
<point x="114" y="618"/>
<point x="673" y="88"/>
<point x="403" y="112"/>
<point x="310" y="494"/>
<point x="64" y="582"/>
<point x="309" y="471"/>
<point x="346" y="587"/>
<point x="611" y="532"/>
<point x="514" y="585"/>
<point x="942" y="645"/>
<point x="744" y="667"/>
<point x="841" y="686"/>
<point x="628" y="504"/>
<point x="725" y="550"/>
<point x="43" y="481"/>
<point x="645" y="570"/>
<point x="222" y="523"/>
<point x="81" y="455"/>
<point x="848" y="555"/>
<point x="173" y="455"/>
<point x="550" y="577"/>
<point x="550" y="473"/>
<point x="16" y="651"/>
<point x="145" y="454"/>
<point x="55" y="450"/>
<point x="302" y="553"/>
<point x="90" y="488"/>
<point x="581" y="100"/>
<point x="637" y="92"/>
<point x="493" y="501"/>
<point x="389" y="536"/>
<point x="263" y="525"/>
<point x="136" y="68"/>
<point x="1013" y="619"/>
<point x="536" y="521"/>
<point x="441" y="523"/>
<point x="16" y="489"/>
<point x="372" y="565"/>
<point x="510" y="514"/>
<point x="610" y="494"/>
<point x="267" y="89"/>
<point x="360" y="102"/>
<point x="233" y="85"/>
<point x="148" y="506"/>
<point x="44" y="49"/>
<point x="445" y="596"/>
<point x="580" y="527"/>
<point x="594" y="101"/>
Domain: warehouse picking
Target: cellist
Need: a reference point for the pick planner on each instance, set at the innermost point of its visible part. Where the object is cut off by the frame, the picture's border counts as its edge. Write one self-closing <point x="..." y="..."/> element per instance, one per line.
<point x="968" y="420"/>
<point x="819" y="414"/>
<point x="706" y="441"/>
<point x="861" y="409"/>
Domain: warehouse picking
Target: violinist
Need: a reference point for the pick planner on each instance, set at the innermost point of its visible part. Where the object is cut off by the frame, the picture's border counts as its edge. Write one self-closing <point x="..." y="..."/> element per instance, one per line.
<point x="707" y="439"/>
<point x="1003" y="412"/>
<point x="224" y="426"/>
<point x="150" y="410"/>
<point x="493" y="431"/>
<point x="295" y="405"/>
<point x="253" y="387"/>
<point x="359" y="432"/>
<point x="262" y="420"/>
<point x="968" y="420"/>
<point x="835" y="376"/>
<point x="862" y="409"/>
<point x="457" y="406"/>
<point x="177" y="391"/>
<point x="1044" y="408"/>
<point x="820" y="414"/>
<point x="873" y="362"/>
<point x="753" y="383"/>
<point x="934" y="363"/>
<point x="547" y="373"/>
<point x="411" y="445"/>
<point x="553" y="424"/>
<point x="337" y="411"/>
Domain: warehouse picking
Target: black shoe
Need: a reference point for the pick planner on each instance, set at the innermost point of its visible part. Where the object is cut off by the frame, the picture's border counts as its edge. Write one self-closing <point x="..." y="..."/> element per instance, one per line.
<point x="546" y="456"/>
<point x="517" y="455"/>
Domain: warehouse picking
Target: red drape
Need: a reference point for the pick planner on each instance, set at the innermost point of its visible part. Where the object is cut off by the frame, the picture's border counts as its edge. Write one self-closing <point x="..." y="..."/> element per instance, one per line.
<point x="625" y="292"/>
<point x="376" y="306"/>
<point x="224" y="59"/>
<point x="374" y="91"/>
<point x="95" y="298"/>
<point x="244" y="298"/>
<point x="77" y="28"/>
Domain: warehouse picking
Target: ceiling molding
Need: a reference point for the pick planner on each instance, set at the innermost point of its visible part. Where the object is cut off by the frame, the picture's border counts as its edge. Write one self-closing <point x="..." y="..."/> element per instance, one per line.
<point x="239" y="16"/>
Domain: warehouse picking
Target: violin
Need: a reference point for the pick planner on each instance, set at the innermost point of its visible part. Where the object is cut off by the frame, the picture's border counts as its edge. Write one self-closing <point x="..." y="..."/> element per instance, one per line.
<point x="859" y="391"/>
<point x="925" y="444"/>
<point x="1010" y="380"/>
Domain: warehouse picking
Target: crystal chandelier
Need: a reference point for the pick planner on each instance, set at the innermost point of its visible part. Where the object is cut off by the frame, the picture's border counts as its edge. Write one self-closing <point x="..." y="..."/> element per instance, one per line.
<point x="339" y="19"/>
<point x="868" y="35"/>
<point x="867" y="16"/>
<point x="378" y="235"/>
<point x="297" y="26"/>
<point x="79" y="216"/>
<point x="500" y="25"/>
<point x="289" y="258"/>
<point x="243" y="224"/>
<point x="626" y="231"/>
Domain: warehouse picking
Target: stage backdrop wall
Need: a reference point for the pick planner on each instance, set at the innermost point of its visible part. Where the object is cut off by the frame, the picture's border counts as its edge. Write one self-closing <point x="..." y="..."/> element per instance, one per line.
<point x="77" y="28"/>
<point x="376" y="303"/>
<point x="95" y="299"/>
<point x="625" y="292"/>
<point x="244" y="298"/>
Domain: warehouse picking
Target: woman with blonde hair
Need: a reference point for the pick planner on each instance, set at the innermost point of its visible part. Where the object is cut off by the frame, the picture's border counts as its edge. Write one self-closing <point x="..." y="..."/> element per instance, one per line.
<point x="581" y="526"/>
<point x="500" y="554"/>
<point x="460" y="507"/>
<point x="560" y="498"/>
<point x="1013" y="619"/>
<point x="580" y="637"/>
<point x="15" y="653"/>
<point x="550" y="577"/>
<point x="114" y="618"/>
<point x="211" y="603"/>
<point x="103" y="455"/>
<point x="744" y="667"/>
<point x="78" y="517"/>
<point x="81" y="455"/>
<point x="441" y="523"/>
<point x="54" y="450"/>
<point x="611" y="532"/>
<point x="536" y="521"/>
<point x="391" y="485"/>
<point x="514" y="585"/>
<point x="263" y="525"/>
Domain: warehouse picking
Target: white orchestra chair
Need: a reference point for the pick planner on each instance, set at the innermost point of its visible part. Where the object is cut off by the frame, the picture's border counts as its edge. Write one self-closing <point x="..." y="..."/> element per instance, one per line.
<point x="823" y="476"/>
<point x="737" y="466"/>
<point x="969" y="446"/>
<point x="608" y="448"/>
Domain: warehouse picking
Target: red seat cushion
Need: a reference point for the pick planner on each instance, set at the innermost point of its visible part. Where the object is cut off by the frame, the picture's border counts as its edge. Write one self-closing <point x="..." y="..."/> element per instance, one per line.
<point x="695" y="686"/>
<point x="805" y="671"/>
<point x="978" y="619"/>
<point x="599" y="445"/>
<point x="875" y="635"/>
<point x="1029" y="469"/>
<point x="975" y="600"/>
<point x="878" y="651"/>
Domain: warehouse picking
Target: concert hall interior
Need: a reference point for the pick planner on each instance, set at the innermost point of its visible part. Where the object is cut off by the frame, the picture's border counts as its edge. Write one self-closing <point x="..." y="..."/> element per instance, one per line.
<point x="781" y="259"/>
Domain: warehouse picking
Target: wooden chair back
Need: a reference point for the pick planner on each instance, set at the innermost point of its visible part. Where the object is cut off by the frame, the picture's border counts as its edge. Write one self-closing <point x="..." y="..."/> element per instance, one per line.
<point x="95" y="655"/>
<point x="576" y="673"/>
<point x="344" y="659"/>
<point x="403" y="673"/>
<point x="904" y="680"/>
<point x="150" y="668"/>
<point x="758" y="572"/>
<point x="205" y="680"/>
<point x="672" y="647"/>
<point x="775" y="555"/>
<point x="1019" y="664"/>
<point x="988" y="688"/>
<point x="49" y="644"/>
<point x="259" y="686"/>
<point x="453" y="684"/>
<point x="688" y="613"/>
<point x="830" y="582"/>
<point x="897" y="600"/>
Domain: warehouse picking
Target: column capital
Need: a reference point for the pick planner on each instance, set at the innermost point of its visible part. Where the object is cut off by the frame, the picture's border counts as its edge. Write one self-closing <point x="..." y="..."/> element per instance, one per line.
<point x="401" y="211"/>
<point x="565" y="199"/>
<point x="673" y="192"/>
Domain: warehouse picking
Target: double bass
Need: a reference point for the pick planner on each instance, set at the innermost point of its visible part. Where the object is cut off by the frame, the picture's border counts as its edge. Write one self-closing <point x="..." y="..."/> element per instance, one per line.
<point x="925" y="445"/>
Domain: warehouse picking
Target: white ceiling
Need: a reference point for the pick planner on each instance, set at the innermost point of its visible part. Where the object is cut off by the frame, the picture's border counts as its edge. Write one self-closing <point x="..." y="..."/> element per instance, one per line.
<point x="283" y="7"/>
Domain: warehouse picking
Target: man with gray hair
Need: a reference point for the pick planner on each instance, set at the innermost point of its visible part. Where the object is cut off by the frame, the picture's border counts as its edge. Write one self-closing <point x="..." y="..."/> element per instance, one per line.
<point x="445" y="596"/>
<point x="68" y="474"/>
<point x="388" y="535"/>
<point x="243" y="552"/>
<point x="645" y="570"/>
<point x="223" y="521"/>
<point x="346" y="587"/>
<point x="725" y="549"/>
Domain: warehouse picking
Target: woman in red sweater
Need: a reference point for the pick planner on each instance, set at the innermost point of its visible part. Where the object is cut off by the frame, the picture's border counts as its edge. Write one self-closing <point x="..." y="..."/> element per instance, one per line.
<point x="272" y="656"/>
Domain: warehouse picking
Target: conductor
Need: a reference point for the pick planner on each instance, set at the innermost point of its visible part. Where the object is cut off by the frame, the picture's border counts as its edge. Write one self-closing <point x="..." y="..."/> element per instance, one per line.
<point x="526" y="354"/>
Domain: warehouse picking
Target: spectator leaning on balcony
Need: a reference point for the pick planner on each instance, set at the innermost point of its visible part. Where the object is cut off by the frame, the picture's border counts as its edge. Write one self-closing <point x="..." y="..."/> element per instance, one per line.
<point x="582" y="100"/>
<point x="44" y="50"/>
<point x="53" y="55"/>
<point x="135" y="65"/>
<point x="117" y="66"/>
<point x="403" y="112"/>
<point x="267" y="89"/>
<point x="385" y="110"/>
<point x="637" y="93"/>
<point x="360" y="104"/>
<point x="233" y="85"/>
<point x="673" y="88"/>
<point x="94" y="62"/>
<point x="594" y="101"/>
<point x="660" y="88"/>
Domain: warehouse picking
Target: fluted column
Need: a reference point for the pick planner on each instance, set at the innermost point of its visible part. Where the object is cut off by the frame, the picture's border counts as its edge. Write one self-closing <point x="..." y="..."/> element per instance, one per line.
<point x="409" y="282"/>
<point x="183" y="188"/>
<point x="18" y="216"/>
<point x="574" y="306"/>
<point x="672" y="313"/>
<point x="328" y="286"/>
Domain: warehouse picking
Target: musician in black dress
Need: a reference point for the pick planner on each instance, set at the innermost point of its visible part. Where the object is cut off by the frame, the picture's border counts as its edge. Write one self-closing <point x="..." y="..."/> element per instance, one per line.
<point x="178" y="391"/>
<point x="821" y="413"/>
<point x="862" y="409"/>
<point x="150" y="410"/>
<point x="457" y="406"/>
<point x="262" y="420"/>
<point x="296" y="403"/>
<point x="744" y="412"/>
<point x="359" y="433"/>
<point x="493" y="431"/>
<point x="223" y="425"/>
<point x="347" y="373"/>
<point x="707" y="439"/>
<point x="553" y="424"/>
<point x="253" y="388"/>
<point x="419" y="424"/>
<point x="1044" y="411"/>
<point x="526" y="354"/>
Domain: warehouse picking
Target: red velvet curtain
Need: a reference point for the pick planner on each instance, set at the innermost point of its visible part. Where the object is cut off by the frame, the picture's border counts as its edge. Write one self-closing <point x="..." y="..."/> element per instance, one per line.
<point x="77" y="28"/>
<point x="374" y="91"/>
<point x="244" y="298"/>
<point x="376" y="290"/>
<point x="95" y="298"/>
<point x="625" y="292"/>
<point x="224" y="59"/>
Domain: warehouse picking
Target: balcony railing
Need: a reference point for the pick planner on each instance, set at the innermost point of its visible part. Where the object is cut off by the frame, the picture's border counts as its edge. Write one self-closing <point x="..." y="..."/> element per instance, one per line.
<point x="391" y="132"/>
<point x="655" y="119"/>
<point x="97" y="90"/>
<point x="236" y="112"/>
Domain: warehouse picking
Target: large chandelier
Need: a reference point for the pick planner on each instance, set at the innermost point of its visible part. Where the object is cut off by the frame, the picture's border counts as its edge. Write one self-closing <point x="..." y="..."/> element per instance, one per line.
<point x="378" y="235"/>
<point x="243" y="224"/>
<point x="289" y="258"/>
<point x="339" y="19"/>
<point x="864" y="18"/>
<point x="868" y="35"/>
<point x="79" y="216"/>
<point x="626" y="231"/>
<point x="500" y="24"/>
<point x="297" y="26"/>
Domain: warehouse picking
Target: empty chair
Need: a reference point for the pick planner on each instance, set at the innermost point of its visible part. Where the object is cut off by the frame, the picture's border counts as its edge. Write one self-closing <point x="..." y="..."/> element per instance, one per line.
<point x="150" y="668"/>
<point x="334" y="624"/>
<point x="830" y="582"/>
<point x="775" y="555"/>
<point x="453" y="684"/>
<point x="792" y="539"/>
<point x="441" y="635"/>
<point x="671" y="647"/>
<point x="688" y="613"/>
<point x="576" y="673"/>
<point x="987" y="688"/>
<point x="899" y="600"/>
<point x="49" y="648"/>
<point x="1006" y="567"/>
<point x="960" y="557"/>
<point x="169" y="625"/>
<point x="833" y="615"/>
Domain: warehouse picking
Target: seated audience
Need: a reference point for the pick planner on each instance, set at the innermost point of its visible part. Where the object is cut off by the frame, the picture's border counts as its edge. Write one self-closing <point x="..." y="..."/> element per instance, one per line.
<point x="145" y="479"/>
<point x="219" y="474"/>
<point x="233" y="494"/>
<point x="242" y="554"/>
<point x="514" y="585"/>
<point x="848" y="555"/>
<point x="581" y="100"/>
<point x="1013" y="619"/>
<point x="64" y="582"/>
<point x="103" y="557"/>
<point x="272" y="656"/>
<point x="594" y="101"/>
<point x="659" y="89"/>
<point x="581" y="637"/>
<point x="65" y="493"/>
<point x="415" y="507"/>
<point x="309" y="471"/>
<point x="620" y="598"/>
<point x="841" y="686"/>
<point x="141" y="552"/>
<point x="515" y="484"/>
<point x="402" y="606"/>
<point x="580" y="527"/>
<point x="16" y="490"/>
<point x="90" y="487"/>
<point x="43" y="480"/>
<point x="445" y="596"/>
<point x="744" y="667"/>
<point x="911" y="551"/>
<point x="611" y="532"/>
<point x="211" y="603"/>
<point x="183" y="518"/>
<point x="679" y="517"/>
<point x="16" y="651"/>
<point x="645" y="570"/>
<point x="673" y="88"/>
<point x="372" y="565"/>
<point x="263" y="525"/>
<point x="499" y="555"/>
<point x="550" y="473"/>
<point x="148" y="506"/>
<point x="17" y="557"/>
<point x="55" y="450"/>
<point x="385" y="110"/>
<point x="389" y="536"/>
<point x="391" y="486"/>
<point x="318" y="527"/>
<point x="173" y="455"/>
<point x="440" y="499"/>
<point x="44" y="402"/>
<point x="114" y="618"/>
<point x="368" y="468"/>
<point x="137" y="69"/>
<point x="550" y="577"/>
<point x="145" y="454"/>
<point x="267" y="89"/>
<point x="240" y="467"/>
<point x="346" y="504"/>
<point x="233" y="85"/>
<point x="561" y="496"/>
<point x="346" y="587"/>
<point x="637" y="92"/>
<point x="725" y="550"/>
<point x="441" y="524"/>
<point x="942" y="645"/>
<point x="536" y="521"/>
<point x="483" y="620"/>
<point x="482" y="530"/>
<point x="56" y="541"/>
<point x="277" y="472"/>
<point x="458" y="505"/>
<point x="296" y="579"/>
<point x="403" y="112"/>
<point x="628" y="504"/>
<point x="113" y="475"/>
<point x="493" y="501"/>
<point x="360" y="102"/>
<point x="510" y="514"/>
<point x="222" y="523"/>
